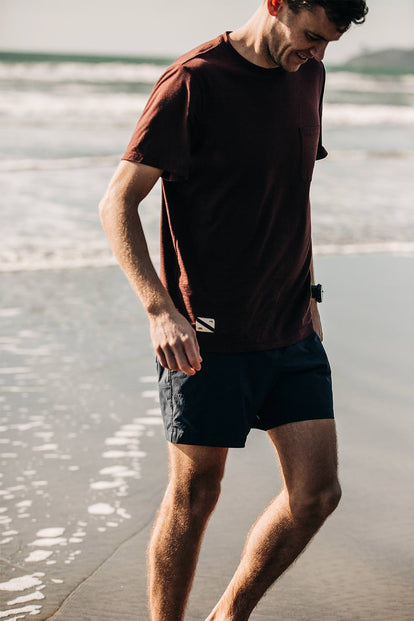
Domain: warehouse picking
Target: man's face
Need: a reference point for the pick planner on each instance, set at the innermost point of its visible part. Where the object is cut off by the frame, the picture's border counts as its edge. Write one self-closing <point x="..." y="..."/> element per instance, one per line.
<point x="296" y="37"/>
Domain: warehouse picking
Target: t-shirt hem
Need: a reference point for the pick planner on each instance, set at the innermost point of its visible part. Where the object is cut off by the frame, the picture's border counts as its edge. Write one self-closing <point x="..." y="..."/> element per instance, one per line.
<point x="167" y="173"/>
<point x="209" y="343"/>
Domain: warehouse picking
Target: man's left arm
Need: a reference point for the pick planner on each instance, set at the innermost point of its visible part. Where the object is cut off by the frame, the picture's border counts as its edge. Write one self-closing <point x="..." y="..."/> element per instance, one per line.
<point x="316" y="320"/>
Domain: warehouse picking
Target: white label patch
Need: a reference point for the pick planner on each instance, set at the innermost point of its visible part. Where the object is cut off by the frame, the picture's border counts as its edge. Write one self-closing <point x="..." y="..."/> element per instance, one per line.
<point x="205" y="324"/>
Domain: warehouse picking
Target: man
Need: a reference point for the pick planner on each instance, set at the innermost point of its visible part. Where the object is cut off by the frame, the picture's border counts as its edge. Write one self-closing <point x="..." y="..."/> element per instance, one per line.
<point x="233" y="128"/>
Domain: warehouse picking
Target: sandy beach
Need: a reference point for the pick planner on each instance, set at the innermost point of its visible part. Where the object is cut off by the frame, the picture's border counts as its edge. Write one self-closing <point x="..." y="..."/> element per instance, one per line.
<point x="83" y="461"/>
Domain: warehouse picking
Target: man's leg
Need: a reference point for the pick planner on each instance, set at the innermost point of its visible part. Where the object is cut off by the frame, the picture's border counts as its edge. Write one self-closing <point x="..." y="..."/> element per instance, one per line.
<point x="192" y="493"/>
<point x="308" y="459"/>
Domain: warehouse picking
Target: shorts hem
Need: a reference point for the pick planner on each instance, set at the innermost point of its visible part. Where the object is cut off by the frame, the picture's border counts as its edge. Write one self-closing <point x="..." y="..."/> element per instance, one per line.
<point x="174" y="437"/>
<point x="296" y="420"/>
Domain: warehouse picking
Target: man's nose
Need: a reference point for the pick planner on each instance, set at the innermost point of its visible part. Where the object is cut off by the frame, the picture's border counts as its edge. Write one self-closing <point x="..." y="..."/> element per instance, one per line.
<point x="318" y="51"/>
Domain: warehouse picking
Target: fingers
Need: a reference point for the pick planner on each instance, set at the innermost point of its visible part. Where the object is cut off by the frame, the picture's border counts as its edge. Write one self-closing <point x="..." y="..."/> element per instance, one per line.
<point x="182" y="356"/>
<point x="175" y="343"/>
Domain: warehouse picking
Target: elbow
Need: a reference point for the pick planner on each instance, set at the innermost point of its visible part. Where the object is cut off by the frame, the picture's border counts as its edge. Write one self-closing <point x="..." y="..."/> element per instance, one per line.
<point x="108" y="207"/>
<point x="104" y="211"/>
<point x="113" y="208"/>
<point x="103" y="208"/>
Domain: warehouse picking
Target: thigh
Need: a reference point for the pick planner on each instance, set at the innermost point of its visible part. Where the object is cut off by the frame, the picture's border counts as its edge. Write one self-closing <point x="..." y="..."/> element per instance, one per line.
<point x="307" y="452"/>
<point x="191" y="461"/>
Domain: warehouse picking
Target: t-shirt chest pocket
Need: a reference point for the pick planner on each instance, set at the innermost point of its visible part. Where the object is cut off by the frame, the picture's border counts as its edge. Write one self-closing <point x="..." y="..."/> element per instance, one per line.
<point x="309" y="138"/>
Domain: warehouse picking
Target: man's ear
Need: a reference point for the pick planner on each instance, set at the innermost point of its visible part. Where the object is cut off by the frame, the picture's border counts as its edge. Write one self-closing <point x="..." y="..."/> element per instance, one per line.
<point x="273" y="6"/>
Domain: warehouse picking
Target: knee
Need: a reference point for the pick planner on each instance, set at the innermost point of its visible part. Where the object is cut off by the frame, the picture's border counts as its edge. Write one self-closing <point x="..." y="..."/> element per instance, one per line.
<point x="197" y="493"/>
<point x="315" y="507"/>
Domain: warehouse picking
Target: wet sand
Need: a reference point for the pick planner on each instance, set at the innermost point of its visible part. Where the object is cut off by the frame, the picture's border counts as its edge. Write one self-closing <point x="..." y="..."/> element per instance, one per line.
<point x="83" y="457"/>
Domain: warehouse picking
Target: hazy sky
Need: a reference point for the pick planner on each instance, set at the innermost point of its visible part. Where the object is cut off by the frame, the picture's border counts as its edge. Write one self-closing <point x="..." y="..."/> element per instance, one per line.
<point x="135" y="27"/>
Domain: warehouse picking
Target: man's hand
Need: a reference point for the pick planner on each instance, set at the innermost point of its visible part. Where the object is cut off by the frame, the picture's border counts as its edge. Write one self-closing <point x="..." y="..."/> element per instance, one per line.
<point x="316" y="320"/>
<point x="175" y="342"/>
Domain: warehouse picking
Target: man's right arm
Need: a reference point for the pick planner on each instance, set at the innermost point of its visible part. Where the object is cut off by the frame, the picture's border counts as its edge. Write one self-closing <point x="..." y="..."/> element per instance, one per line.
<point x="173" y="337"/>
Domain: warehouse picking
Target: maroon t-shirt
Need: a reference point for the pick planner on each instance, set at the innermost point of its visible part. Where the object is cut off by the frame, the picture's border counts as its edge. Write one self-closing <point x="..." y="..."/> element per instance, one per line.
<point x="237" y="144"/>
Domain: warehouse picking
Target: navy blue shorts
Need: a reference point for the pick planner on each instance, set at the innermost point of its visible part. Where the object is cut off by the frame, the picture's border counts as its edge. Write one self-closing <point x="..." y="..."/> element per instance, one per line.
<point x="234" y="392"/>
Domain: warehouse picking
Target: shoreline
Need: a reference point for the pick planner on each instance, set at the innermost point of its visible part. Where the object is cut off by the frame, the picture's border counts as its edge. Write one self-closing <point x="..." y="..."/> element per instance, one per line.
<point x="384" y="248"/>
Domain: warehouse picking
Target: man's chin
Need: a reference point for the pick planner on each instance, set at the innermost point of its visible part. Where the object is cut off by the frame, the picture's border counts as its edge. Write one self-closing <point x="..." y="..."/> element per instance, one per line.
<point x="291" y="67"/>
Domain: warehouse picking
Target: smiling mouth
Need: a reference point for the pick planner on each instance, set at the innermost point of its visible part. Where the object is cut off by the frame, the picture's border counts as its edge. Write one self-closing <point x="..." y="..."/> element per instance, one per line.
<point x="302" y="56"/>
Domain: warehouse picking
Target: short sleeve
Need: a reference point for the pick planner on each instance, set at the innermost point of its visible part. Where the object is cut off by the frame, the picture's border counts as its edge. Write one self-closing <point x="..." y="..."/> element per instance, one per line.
<point x="162" y="137"/>
<point x="322" y="152"/>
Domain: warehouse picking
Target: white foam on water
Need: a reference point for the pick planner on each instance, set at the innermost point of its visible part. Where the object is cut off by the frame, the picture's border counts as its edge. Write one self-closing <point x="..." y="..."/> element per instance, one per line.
<point x="45" y="435"/>
<point x="5" y="519"/>
<point x="123" y="513"/>
<point x="150" y="421"/>
<point x="117" y="454"/>
<point x="73" y="468"/>
<point x="356" y="115"/>
<point x="26" y="598"/>
<point x="24" y="503"/>
<point x="50" y="532"/>
<point x="398" y="248"/>
<point x="26" y="426"/>
<point x="32" y="610"/>
<point x="154" y="412"/>
<point x="22" y="583"/>
<point x="67" y="72"/>
<point x="119" y="471"/>
<point x="115" y="470"/>
<point x="128" y="433"/>
<point x="101" y="508"/>
<point x="3" y="542"/>
<point x="148" y="379"/>
<point x="150" y="394"/>
<point x="116" y="441"/>
<point x="67" y="163"/>
<point x="57" y="580"/>
<point x="362" y="82"/>
<point x="48" y="542"/>
<point x="10" y="532"/>
<point x="85" y="110"/>
<point x="37" y="556"/>
<point x="45" y="447"/>
<point x="105" y="484"/>
<point x="75" y="540"/>
<point x="112" y="524"/>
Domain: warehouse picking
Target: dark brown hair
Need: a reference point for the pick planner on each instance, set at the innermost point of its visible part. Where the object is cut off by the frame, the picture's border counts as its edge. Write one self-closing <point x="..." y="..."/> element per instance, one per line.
<point x="340" y="12"/>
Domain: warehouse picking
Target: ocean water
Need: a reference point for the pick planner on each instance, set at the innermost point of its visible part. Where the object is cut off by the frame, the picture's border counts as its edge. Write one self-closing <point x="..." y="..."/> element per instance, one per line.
<point x="65" y="122"/>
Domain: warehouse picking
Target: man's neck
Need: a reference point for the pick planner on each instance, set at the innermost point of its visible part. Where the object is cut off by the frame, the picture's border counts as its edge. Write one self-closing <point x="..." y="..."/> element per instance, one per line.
<point x="249" y="40"/>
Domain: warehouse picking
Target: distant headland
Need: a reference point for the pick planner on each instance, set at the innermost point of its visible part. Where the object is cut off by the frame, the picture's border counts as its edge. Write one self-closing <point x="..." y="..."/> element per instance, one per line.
<point x="395" y="61"/>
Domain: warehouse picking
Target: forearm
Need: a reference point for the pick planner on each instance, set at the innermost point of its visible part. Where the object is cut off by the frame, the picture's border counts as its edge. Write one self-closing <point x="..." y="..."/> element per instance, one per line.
<point x="122" y="225"/>
<point x="173" y="338"/>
